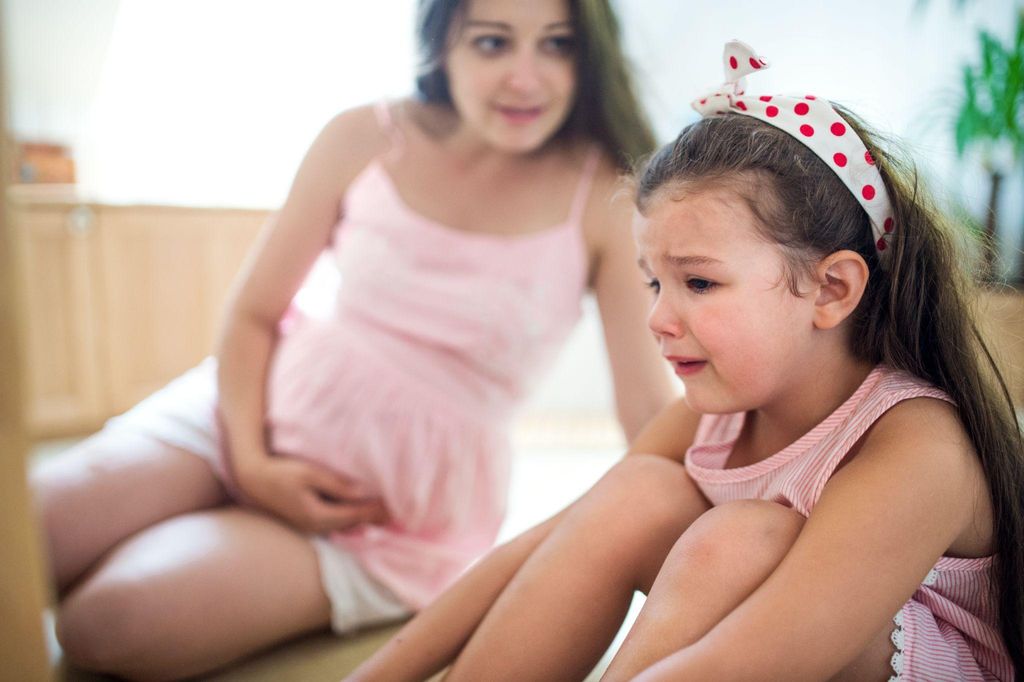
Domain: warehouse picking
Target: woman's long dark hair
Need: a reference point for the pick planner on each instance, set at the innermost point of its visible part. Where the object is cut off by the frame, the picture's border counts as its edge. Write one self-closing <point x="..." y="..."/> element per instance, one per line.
<point x="916" y="313"/>
<point x="606" y="109"/>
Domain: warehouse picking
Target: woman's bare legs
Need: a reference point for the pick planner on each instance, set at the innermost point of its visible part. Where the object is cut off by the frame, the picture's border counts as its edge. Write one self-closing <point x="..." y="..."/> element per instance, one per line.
<point x="194" y="593"/>
<point x="109" y="487"/>
<point x="159" y="585"/>
<point x="560" y="611"/>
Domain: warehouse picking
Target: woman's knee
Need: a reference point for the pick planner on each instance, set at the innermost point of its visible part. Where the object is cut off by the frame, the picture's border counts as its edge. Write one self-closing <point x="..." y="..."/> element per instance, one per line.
<point x="107" y="626"/>
<point x="151" y="481"/>
<point x="744" y="530"/>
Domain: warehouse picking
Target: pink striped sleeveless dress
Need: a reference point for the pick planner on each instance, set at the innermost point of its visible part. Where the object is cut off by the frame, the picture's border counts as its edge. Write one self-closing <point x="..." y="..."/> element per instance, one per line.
<point x="948" y="628"/>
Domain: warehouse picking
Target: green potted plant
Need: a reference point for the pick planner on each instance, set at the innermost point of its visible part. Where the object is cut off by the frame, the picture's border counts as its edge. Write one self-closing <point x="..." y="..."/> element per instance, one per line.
<point x="989" y="121"/>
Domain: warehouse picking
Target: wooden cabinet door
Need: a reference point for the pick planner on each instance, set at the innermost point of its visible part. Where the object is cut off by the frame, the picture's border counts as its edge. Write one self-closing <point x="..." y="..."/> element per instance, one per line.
<point x="165" y="273"/>
<point x="1002" y="322"/>
<point x="55" y="248"/>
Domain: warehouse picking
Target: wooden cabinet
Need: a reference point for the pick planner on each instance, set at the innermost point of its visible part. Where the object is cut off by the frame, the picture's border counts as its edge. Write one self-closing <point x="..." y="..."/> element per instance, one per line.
<point x="165" y="273"/>
<point x="118" y="299"/>
<point x="1001" y="317"/>
<point x="55" y="255"/>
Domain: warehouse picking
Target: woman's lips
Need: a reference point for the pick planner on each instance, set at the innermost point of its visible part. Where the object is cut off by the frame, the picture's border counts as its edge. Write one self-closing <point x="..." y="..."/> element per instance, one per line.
<point x="520" y="115"/>
<point x="686" y="366"/>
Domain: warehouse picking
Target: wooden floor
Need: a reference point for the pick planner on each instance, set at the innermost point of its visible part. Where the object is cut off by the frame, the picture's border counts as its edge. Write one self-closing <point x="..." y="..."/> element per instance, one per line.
<point x="318" y="658"/>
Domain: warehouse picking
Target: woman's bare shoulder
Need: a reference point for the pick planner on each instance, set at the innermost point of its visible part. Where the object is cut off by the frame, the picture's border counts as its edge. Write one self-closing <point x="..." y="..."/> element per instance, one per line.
<point x="352" y="138"/>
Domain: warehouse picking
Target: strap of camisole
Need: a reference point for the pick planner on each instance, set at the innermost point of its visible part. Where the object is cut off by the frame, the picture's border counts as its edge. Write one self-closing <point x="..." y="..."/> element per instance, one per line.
<point x="888" y="388"/>
<point x="387" y="124"/>
<point x="579" y="200"/>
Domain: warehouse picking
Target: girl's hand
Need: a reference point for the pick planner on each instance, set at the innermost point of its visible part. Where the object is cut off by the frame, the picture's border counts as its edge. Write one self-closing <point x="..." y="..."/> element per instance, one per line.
<point x="310" y="498"/>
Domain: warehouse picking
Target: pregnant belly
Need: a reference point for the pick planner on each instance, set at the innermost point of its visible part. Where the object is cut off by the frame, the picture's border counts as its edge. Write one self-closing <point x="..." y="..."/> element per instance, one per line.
<point x="332" y="404"/>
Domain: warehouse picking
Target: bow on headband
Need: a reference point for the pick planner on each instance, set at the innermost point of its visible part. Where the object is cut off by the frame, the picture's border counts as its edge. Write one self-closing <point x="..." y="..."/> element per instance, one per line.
<point x="813" y="122"/>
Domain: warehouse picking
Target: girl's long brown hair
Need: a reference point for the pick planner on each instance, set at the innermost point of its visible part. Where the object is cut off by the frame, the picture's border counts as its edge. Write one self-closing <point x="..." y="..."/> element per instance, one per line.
<point x="917" y="313"/>
<point x="607" y="109"/>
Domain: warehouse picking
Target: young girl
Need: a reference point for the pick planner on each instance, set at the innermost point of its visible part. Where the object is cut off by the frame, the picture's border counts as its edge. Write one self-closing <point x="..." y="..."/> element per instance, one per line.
<point x="370" y="448"/>
<point x="838" y="496"/>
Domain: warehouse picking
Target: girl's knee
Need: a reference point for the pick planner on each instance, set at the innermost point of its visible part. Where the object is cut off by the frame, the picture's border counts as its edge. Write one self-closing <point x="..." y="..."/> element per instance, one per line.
<point x="648" y="490"/>
<point x="643" y="474"/>
<point x="742" y="530"/>
<point x="635" y="513"/>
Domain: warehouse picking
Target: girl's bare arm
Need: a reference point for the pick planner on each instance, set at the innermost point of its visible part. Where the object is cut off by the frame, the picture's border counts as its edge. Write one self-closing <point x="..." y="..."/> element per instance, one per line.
<point x="914" y="490"/>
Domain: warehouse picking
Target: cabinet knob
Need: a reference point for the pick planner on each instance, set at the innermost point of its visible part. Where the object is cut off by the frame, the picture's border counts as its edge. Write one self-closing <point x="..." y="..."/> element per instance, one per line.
<point x="80" y="220"/>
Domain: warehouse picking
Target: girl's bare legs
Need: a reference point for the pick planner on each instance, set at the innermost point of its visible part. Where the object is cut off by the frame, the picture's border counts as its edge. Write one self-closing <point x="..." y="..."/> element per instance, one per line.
<point x="162" y="586"/>
<point x="719" y="561"/>
<point x="109" y="487"/>
<point x="560" y="611"/>
<point x="432" y="639"/>
<point x="723" y="557"/>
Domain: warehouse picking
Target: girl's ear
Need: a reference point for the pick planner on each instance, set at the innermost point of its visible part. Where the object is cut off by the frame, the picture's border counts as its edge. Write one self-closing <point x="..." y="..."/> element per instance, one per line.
<point x="841" y="278"/>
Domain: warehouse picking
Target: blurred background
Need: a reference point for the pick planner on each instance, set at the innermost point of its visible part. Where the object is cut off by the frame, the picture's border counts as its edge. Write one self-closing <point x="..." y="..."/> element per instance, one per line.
<point x="190" y="117"/>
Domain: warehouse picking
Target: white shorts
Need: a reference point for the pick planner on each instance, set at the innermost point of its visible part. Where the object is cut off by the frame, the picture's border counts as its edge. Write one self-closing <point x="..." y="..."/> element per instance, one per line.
<point x="357" y="600"/>
<point x="183" y="415"/>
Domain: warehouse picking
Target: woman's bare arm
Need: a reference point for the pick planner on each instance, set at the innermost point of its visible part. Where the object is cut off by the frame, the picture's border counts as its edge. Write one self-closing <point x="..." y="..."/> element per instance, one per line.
<point x="286" y="249"/>
<point x="643" y="384"/>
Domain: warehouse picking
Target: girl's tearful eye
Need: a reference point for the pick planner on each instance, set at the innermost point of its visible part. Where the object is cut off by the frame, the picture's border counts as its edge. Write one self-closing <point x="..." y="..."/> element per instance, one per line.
<point x="654" y="285"/>
<point x="700" y="286"/>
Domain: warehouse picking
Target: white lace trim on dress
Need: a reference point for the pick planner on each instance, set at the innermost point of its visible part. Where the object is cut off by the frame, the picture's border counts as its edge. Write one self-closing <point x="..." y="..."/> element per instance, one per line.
<point x="896" y="662"/>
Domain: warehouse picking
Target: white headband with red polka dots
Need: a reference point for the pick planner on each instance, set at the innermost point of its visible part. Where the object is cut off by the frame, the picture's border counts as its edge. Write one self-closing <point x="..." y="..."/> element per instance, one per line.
<point x="814" y="123"/>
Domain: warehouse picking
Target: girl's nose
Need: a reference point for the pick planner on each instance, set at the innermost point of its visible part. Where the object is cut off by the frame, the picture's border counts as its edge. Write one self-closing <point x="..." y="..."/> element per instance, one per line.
<point x="664" y="321"/>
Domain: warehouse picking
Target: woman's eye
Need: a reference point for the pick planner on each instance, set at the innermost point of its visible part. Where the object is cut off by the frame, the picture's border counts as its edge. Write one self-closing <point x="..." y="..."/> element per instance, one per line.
<point x="560" y="45"/>
<point x="490" y="44"/>
<point x="699" y="286"/>
<point x="654" y="285"/>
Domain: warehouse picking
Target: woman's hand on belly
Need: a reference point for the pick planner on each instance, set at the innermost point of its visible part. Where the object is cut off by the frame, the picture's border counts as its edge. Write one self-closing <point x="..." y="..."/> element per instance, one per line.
<point x="309" y="497"/>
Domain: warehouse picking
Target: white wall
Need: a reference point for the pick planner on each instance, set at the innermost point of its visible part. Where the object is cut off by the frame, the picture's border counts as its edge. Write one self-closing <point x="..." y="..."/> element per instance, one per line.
<point x="206" y="102"/>
<point x="55" y="52"/>
<point x="214" y="101"/>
